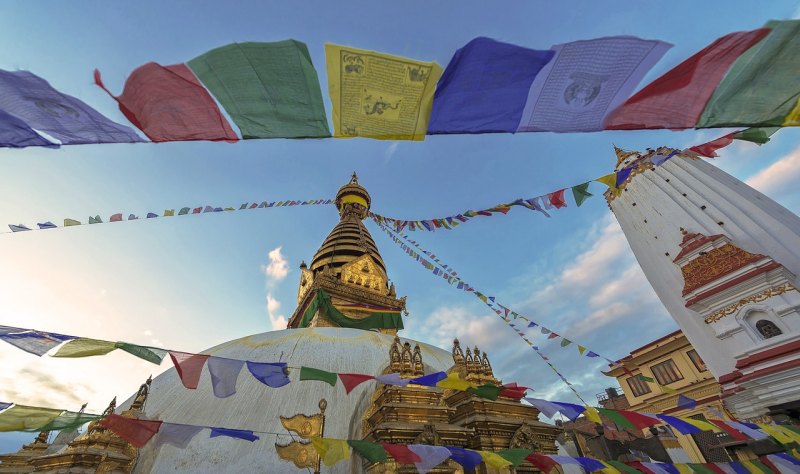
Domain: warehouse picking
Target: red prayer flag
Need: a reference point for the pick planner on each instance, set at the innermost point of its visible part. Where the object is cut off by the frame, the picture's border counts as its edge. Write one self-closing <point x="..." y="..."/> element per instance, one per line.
<point x="677" y="99"/>
<point x="717" y="469"/>
<point x="503" y="209"/>
<point x="168" y="103"/>
<point x="116" y="218"/>
<point x="351" y="381"/>
<point x="709" y="149"/>
<point x="767" y="462"/>
<point x="189" y="367"/>
<point x="542" y="462"/>
<point x="557" y="199"/>
<point x="638" y="420"/>
<point x="401" y="453"/>
<point x="733" y="432"/>
<point x="136" y="432"/>
<point x="552" y="335"/>
<point x="512" y="390"/>
<point x="639" y="466"/>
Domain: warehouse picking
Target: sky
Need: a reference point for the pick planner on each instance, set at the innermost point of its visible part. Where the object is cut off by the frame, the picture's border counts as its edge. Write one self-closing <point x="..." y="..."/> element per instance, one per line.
<point x="193" y="282"/>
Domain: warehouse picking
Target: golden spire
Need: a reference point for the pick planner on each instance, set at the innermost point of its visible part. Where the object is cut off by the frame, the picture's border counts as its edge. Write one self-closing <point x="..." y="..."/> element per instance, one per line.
<point x="622" y="155"/>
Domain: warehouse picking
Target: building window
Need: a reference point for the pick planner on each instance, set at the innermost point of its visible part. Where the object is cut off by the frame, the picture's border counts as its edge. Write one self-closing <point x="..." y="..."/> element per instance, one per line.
<point x="666" y="372"/>
<point x="768" y="329"/>
<point x="638" y="386"/>
<point x="697" y="361"/>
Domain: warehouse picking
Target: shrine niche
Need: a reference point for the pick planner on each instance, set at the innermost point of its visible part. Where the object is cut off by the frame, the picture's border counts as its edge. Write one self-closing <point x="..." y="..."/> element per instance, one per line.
<point x="365" y="273"/>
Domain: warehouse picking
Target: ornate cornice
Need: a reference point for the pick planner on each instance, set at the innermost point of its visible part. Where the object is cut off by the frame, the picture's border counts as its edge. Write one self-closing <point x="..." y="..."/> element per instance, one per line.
<point x="716" y="263"/>
<point x="757" y="298"/>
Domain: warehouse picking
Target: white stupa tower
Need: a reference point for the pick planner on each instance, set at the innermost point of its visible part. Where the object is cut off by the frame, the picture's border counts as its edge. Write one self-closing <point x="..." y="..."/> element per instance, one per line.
<point x="724" y="259"/>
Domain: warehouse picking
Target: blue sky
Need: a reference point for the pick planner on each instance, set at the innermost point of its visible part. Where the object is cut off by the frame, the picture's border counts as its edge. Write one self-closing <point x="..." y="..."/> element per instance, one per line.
<point x="193" y="282"/>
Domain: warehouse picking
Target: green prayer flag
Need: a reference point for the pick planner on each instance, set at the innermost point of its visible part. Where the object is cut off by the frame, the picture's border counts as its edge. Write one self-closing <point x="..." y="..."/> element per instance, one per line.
<point x="760" y="465"/>
<point x="617" y="418"/>
<point x="270" y="90"/>
<point x="372" y="452"/>
<point x="646" y="379"/>
<point x="700" y="469"/>
<point x="69" y="420"/>
<point x="150" y="354"/>
<point x="25" y="418"/>
<point x="565" y="342"/>
<point x="580" y="193"/>
<point x="486" y="391"/>
<point x="515" y="455"/>
<point x="759" y="135"/>
<point x="85" y="347"/>
<point x="761" y="86"/>
<point x="621" y="466"/>
<point x="309" y="373"/>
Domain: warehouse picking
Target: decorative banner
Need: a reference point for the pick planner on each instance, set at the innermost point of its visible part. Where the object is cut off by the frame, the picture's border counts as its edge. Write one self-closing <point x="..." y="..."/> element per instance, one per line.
<point x="171" y="213"/>
<point x="270" y="90"/>
<point x="65" y="118"/>
<point x="585" y="81"/>
<point x="380" y="96"/>
<point x="484" y="87"/>
<point x="381" y="318"/>
<point x="167" y="103"/>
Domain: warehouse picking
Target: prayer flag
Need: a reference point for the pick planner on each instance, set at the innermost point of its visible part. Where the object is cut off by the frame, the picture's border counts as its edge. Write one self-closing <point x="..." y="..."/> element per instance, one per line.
<point x="609" y="180"/>
<point x="34" y="342"/>
<point x="580" y="193"/>
<point x="47" y="225"/>
<point x="622" y="176"/>
<point x="14" y="133"/>
<point x="702" y="424"/>
<point x="331" y="451"/>
<point x="758" y="135"/>
<point x="454" y="382"/>
<point x="430" y="456"/>
<point x="494" y="460"/>
<point x="85" y="347"/>
<point x="755" y="434"/>
<point x="686" y="402"/>
<point x="115" y="218"/>
<point x="189" y="367"/>
<point x="224" y="373"/>
<point x="168" y="103"/>
<point x="585" y="81"/>
<point x="639" y="420"/>
<point x="759" y="89"/>
<point x="380" y="96"/>
<point x="95" y="220"/>
<point x="557" y="199"/>
<point x="65" y="118"/>
<point x="18" y="228"/>
<point x="246" y="435"/>
<point x="183" y="211"/>
<point x="351" y="381"/>
<point x="617" y="418"/>
<point x="68" y="420"/>
<point x="169" y="212"/>
<point x="270" y="374"/>
<point x="70" y="222"/>
<point x="581" y="350"/>
<point x="512" y="390"/>
<point x="150" y="354"/>
<point x="589" y="464"/>
<point x="25" y="418"/>
<point x="484" y="87"/>
<point x="270" y="90"/>
<point x="132" y="217"/>
<point x="309" y="373"/>
<point x="392" y="379"/>
<point x="732" y="432"/>
<point x="646" y="379"/>
<point x="676" y="99"/>
<point x="486" y="391"/>
<point x="401" y="453"/>
<point x="553" y="335"/>
<point x="429" y="380"/>
<point x="177" y="435"/>
<point x="570" y="410"/>
<point x="542" y="462"/>
<point x="372" y="452"/>
<point x="468" y="458"/>
<point x="565" y="342"/>
<point x="659" y="158"/>
<point x="136" y="432"/>
<point x="709" y="149"/>
<point x="514" y="455"/>
<point x="151" y="215"/>
<point x="680" y="425"/>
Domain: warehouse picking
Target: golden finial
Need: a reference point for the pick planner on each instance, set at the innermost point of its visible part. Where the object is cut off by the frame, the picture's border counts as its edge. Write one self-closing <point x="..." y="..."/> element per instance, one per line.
<point x="622" y="155"/>
<point x="354" y="178"/>
<point x="684" y="231"/>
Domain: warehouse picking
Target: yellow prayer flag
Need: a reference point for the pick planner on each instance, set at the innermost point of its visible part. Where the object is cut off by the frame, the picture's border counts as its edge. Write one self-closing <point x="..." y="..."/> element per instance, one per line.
<point x="453" y="381"/>
<point x="69" y="222"/>
<point x="684" y="469"/>
<point x="609" y="469"/>
<point x="775" y="433"/>
<point x="751" y="467"/>
<point x="609" y="180"/>
<point x="494" y="460"/>
<point x="703" y="425"/>
<point x="169" y="212"/>
<point x="380" y="96"/>
<point x="669" y="390"/>
<point x="791" y="434"/>
<point x="85" y="347"/>
<point x="581" y="349"/>
<point x="23" y="418"/>
<point x="793" y="119"/>
<point x="593" y="415"/>
<point x="331" y="450"/>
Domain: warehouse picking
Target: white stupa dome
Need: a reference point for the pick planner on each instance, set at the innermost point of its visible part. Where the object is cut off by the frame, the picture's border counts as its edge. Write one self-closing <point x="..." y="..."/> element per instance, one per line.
<point x="257" y="407"/>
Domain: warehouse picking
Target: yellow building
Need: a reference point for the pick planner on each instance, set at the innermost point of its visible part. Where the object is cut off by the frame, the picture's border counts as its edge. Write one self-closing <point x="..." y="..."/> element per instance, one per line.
<point x="675" y="369"/>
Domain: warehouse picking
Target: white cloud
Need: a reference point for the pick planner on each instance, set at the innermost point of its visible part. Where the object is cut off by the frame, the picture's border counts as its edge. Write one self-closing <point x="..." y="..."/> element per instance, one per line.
<point x="277" y="321"/>
<point x="446" y="323"/>
<point x="390" y="151"/>
<point x="278" y="267"/>
<point x="780" y="177"/>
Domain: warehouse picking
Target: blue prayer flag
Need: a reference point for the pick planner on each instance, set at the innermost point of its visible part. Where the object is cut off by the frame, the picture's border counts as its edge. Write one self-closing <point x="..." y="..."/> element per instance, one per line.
<point x="570" y="410"/>
<point x="17" y="228"/>
<point x="467" y="458"/>
<point x="4" y="405"/>
<point x="590" y="465"/>
<point x="34" y="342"/>
<point x="271" y="374"/>
<point x="680" y="425"/>
<point x="14" y="133"/>
<point x="151" y="215"/>
<point x="34" y="100"/>
<point x="686" y="402"/>
<point x="238" y="434"/>
<point x="623" y="174"/>
<point x="429" y="380"/>
<point x="47" y="225"/>
<point x="484" y="87"/>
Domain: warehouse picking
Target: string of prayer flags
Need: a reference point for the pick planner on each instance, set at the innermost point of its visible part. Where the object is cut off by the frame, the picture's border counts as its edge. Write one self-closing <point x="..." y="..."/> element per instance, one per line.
<point x="168" y="103"/>
<point x="34" y="342"/>
<point x="14" y="133"/>
<point x="310" y="373"/>
<point x="585" y="81"/>
<point x="118" y="217"/>
<point x="65" y="118"/>
<point x="676" y="99"/>
<point x="484" y="87"/>
<point x="379" y="96"/>
<point x="270" y="90"/>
